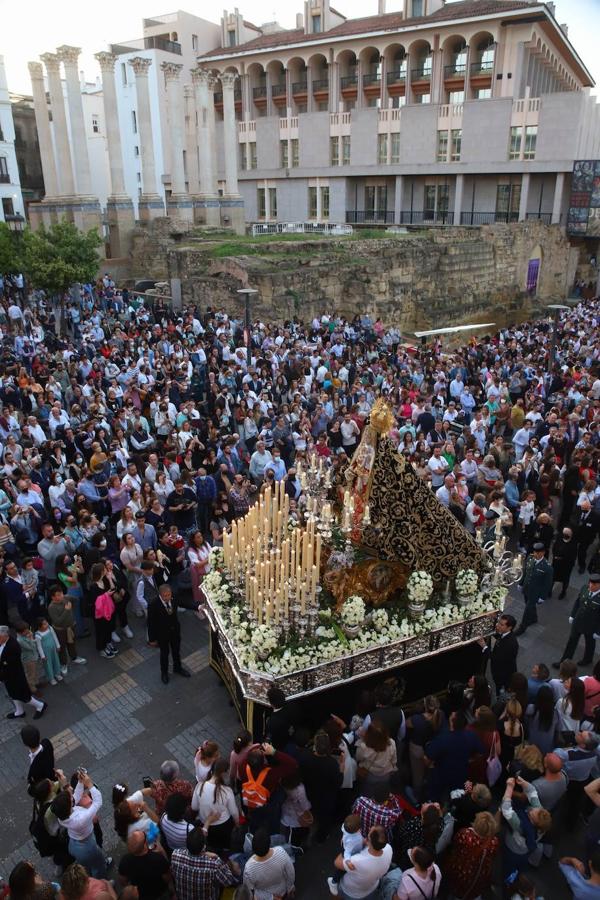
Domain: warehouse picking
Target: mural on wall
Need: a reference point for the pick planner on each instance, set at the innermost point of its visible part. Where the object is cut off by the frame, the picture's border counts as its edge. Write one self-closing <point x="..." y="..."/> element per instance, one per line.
<point x="584" y="206"/>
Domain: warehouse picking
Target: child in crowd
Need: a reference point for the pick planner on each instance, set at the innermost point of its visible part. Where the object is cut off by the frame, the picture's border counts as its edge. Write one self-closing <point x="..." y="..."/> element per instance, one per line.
<point x="352" y="843"/>
<point x="48" y="645"/>
<point x="29" y="656"/>
<point x="30" y="578"/>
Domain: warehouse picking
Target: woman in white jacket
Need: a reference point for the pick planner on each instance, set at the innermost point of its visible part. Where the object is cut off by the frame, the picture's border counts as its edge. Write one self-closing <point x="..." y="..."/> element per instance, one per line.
<point x="215" y="799"/>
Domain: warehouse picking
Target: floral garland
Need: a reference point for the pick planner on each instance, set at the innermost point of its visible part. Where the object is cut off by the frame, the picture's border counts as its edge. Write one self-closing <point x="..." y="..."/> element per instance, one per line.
<point x="353" y="611"/>
<point x="258" y="649"/>
<point x="419" y="587"/>
<point x="466" y="582"/>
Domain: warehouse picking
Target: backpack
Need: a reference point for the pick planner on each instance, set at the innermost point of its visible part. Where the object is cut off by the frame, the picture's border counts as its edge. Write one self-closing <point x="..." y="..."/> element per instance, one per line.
<point x="45" y="844"/>
<point x="254" y="792"/>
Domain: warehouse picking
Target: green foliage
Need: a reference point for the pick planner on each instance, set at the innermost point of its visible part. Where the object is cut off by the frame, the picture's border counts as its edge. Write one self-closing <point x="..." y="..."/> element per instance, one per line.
<point x="57" y="257"/>
<point x="10" y="255"/>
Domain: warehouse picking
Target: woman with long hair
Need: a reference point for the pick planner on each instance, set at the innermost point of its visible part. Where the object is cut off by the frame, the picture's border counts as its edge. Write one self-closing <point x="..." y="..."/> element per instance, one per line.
<point x="126" y="523"/>
<point x="131" y="557"/>
<point x="376" y="757"/>
<point x="103" y="617"/>
<point x="571" y="708"/>
<point x="511" y="731"/>
<point x="423" y="727"/>
<point x="477" y="693"/>
<point x="485" y="727"/>
<point x="468" y="867"/>
<point x="205" y="758"/>
<point x="541" y="720"/>
<point x="215" y="799"/>
<point x="198" y="555"/>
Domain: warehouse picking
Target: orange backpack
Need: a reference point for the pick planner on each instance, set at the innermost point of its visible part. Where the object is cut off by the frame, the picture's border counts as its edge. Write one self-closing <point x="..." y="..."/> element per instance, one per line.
<point x="254" y="792"/>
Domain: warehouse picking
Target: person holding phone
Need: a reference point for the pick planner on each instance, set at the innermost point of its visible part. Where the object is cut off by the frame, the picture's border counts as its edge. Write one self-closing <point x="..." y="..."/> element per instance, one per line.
<point x="104" y="619"/>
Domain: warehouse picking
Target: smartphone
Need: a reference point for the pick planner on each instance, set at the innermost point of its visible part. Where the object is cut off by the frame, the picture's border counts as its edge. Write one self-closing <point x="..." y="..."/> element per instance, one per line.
<point x="147" y="781"/>
<point x="81" y="770"/>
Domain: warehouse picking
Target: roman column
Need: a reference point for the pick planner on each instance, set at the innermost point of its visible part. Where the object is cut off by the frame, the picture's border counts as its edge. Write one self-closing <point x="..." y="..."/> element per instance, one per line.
<point x="59" y="119"/>
<point x="151" y="204"/>
<point x="232" y="203"/>
<point x="191" y="147"/>
<point x="179" y="204"/>
<point x="43" y="213"/>
<point x="119" y="206"/>
<point x="206" y="203"/>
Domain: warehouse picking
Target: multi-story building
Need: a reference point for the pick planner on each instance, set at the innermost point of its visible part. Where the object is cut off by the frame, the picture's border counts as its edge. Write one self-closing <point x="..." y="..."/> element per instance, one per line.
<point x="467" y="112"/>
<point x="11" y="199"/>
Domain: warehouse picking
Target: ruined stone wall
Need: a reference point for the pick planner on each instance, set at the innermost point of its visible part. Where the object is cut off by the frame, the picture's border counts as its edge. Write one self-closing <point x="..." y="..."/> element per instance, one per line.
<point x="416" y="281"/>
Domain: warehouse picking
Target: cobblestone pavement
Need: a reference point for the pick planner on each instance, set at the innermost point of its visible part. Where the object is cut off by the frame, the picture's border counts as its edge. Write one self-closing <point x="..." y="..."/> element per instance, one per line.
<point x="116" y="718"/>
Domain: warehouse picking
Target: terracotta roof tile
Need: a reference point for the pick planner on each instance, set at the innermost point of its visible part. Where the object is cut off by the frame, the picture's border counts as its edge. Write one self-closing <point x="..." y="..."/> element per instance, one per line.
<point x="388" y="22"/>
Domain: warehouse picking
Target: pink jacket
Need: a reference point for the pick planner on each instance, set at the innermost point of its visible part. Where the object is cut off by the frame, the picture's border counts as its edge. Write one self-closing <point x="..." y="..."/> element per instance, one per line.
<point x="104" y="607"/>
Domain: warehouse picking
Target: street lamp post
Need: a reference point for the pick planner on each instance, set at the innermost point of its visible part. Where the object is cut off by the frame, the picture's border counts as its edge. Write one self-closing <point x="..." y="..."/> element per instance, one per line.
<point x="247" y="293"/>
<point x="557" y="309"/>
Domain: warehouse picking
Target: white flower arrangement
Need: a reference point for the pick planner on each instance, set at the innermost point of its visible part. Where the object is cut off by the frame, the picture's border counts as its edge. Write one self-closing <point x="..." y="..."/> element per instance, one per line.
<point x="380" y="620"/>
<point x="264" y="641"/>
<point x="419" y="587"/>
<point x="216" y="557"/>
<point x="353" y="611"/>
<point x="466" y="583"/>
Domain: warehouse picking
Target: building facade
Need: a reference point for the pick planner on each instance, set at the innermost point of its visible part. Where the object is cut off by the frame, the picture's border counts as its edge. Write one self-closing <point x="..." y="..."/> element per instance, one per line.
<point x="468" y="112"/>
<point x="11" y="200"/>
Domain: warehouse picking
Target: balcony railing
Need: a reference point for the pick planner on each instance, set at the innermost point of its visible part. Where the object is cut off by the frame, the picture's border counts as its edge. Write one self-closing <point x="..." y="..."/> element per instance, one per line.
<point x="487" y="218"/>
<point x="371" y="78"/>
<point x="158" y="43"/>
<point x="4" y="178"/>
<point x="321" y="84"/>
<point x="370" y="216"/>
<point x="349" y="81"/>
<point x="279" y="90"/>
<point x="426" y="217"/>
<point x="420" y="74"/>
<point x="398" y="77"/>
<point x="482" y="68"/>
<point x="259" y="92"/>
<point x="299" y="87"/>
<point x="455" y="70"/>
<point x="546" y="218"/>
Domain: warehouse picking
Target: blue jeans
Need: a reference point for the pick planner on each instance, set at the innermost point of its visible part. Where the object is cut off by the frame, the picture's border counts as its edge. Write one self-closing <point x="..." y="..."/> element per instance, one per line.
<point x="374" y="895"/>
<point x="89" y="855"/>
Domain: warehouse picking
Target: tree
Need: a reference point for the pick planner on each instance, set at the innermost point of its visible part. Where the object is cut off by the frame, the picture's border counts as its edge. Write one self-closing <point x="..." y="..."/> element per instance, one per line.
<point x="10" y="251"/>
<point x="57" y="257"/>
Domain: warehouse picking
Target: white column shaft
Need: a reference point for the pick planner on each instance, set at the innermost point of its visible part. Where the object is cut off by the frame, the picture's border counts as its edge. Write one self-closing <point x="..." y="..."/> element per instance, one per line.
<point x="559" y="188"/>
<point x="81" y="160"/>
<point x="113" y="132"/>
<point x="61" y="134"/>
<point x="458" y="197"/>
<point x="203" y="97"/>
<point x="144" y="125"/>
<point x="176" y="135"/>
<point x="230" y="137"/>
<point x="42" y="122"/>
<point x="524" y="197"/>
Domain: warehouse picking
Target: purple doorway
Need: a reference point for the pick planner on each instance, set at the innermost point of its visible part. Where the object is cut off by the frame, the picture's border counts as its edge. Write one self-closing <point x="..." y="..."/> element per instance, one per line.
<point x="533" y="271"/>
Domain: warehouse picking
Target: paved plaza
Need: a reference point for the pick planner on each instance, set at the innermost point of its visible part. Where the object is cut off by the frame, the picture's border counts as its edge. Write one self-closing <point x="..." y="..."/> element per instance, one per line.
<point x="118" y="720"/>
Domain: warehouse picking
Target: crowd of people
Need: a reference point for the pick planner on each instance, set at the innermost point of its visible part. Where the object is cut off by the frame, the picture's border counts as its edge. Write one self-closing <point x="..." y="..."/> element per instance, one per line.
<point x="132" y="436"/>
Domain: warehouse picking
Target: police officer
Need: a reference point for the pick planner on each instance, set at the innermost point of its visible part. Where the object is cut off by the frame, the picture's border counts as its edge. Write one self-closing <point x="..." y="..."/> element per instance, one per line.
<point x="537" y="585"/>
<point x="584" y="620"/>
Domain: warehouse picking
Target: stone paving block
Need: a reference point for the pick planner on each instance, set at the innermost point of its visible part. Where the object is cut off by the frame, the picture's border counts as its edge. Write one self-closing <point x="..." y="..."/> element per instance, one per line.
<point x="64" y="743"/>
<point x="196" y="661"/>
<point x="107" y="729"/>
<point x="110" y="690"/>
<point x="128" y="659"/>
<point x="183" y="746"/>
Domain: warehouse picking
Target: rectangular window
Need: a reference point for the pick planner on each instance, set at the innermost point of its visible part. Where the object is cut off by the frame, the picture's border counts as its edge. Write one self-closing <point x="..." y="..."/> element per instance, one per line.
<point x="429" y="201"/>
<point x="312" y="203"/>
<point x="8" y="207"/>
<point x="442" y="146"/>
<point x="231" y="38"/>
<point x="261" y="203"/>
<point x="515" y="142"/>
<point x="346" y="150"/>
<point x="139" y="178"/>
<point x="530" y="142"/>
<point x="295" y="152"/>
<point x="95" y="125"/>
<point x="273" y="202"/>
<point x="382" y="149"/>
<point x="134" y="121"/>
<point x="324" y="202"/>
<point x="443" y="198"/>
<point x="483" y="94"/>
<point x="252" y="152"/>
<point x="4" y="169"/>
<point x="136" y="150"/>
<point x="283" y="154"/>
<point x="397" y="102"/>
<point x="417" y="7"/>
<point x="243" y="157"/>
<point x="456" y="97"/>
<point x="508" y="200"/>
<point x="395" y="147"/>
<point x="194" y="42"/>
<point x="124" y="73"/>
<point x="316" y="24"/>
<point x="423" y="98"/>
<point x="300" y="108"/>
<point x="334" y="151"/>
<point x="456" y="144"/>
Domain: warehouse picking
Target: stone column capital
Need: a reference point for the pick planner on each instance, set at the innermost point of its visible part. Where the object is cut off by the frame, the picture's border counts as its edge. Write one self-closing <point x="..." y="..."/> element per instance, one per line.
<point x="228" y="80"/>
<point x="68" y="55"/>
<point x="140" y="65"/>
<point x="188" y="91"/>
<point x="52" y="63"/>
<point x="107" y="61"/>
<point x="201" y="75"/>
<point x="171" y="70"/>
<point x="36" y="71"/>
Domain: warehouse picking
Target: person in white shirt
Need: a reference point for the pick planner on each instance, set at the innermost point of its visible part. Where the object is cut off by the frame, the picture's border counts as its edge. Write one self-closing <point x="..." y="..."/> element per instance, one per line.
<point x="76" y="813"/>
<point x="215" y="799"/>
<point x="364" y="871"/>
<point x="438" y="467"/>
<point x="423" y="880"/>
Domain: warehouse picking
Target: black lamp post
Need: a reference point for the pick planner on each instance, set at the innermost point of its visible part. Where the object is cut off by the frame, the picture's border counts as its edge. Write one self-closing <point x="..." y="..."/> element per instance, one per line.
<point x="247" y="293"/>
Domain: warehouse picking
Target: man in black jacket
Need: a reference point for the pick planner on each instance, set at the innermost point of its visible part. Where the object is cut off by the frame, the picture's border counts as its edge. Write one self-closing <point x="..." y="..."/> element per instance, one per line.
<point x="12" y="675"/>
<point x="41" y="756"/>
<point x="164" y="632"/>
<point x="504" y="653"/>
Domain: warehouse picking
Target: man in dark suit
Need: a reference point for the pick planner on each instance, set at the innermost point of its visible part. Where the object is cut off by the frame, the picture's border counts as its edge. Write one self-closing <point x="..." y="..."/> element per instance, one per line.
<point x="537" y="585"/>
<point x="585" y="533"/>
<point x="41" y="756"/>
<point x="584" y="620"/>
<point x="504" y="652"/>
<point x="564" y="554"/>
<point x="12" y="675"/>
<point x="164" y="632"/>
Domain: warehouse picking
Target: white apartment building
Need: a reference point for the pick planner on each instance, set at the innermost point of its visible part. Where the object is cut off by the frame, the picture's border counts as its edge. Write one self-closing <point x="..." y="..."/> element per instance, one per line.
<point x="466" y="112"/>
<point x="11" y="201"/>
